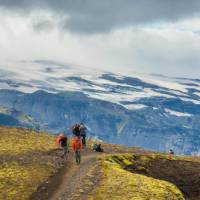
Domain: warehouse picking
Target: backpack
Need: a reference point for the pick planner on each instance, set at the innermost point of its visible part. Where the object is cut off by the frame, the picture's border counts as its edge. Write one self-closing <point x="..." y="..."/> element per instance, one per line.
<point x="75" y="130"/>
<point x="63" y="141"/>
<point x="82" y="130"/>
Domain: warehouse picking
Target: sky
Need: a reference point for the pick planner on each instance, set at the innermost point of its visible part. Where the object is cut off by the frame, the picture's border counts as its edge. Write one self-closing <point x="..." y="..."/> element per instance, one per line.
<point x="147" y="36"/>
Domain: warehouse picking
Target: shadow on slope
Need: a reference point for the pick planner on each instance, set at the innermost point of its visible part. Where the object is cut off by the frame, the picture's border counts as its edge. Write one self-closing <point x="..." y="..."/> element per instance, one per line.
<point x="182" y="172"/>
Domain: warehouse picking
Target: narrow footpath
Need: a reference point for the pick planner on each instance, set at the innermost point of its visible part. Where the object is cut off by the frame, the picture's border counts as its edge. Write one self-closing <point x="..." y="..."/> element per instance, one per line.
<point x="73" y="182"/>
<point x="77" y="182"/>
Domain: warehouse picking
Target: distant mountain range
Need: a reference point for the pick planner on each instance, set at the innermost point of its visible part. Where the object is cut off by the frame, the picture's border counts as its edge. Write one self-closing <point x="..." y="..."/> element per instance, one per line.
<point x="151" y="111"/>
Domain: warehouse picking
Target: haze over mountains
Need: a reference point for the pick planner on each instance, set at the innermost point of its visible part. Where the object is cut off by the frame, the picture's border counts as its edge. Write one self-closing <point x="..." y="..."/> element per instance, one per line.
<point x="151" y="111"/>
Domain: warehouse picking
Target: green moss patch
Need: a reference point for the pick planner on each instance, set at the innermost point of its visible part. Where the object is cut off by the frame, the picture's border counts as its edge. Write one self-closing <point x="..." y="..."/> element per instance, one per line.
<point x="121" y="184"/>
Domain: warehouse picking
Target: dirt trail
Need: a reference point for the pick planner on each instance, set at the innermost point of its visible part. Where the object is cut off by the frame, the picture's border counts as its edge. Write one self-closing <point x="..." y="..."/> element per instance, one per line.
<point x="76" y="182"/>
<point x="73" y="179"/>
<point x="73" y="182"/>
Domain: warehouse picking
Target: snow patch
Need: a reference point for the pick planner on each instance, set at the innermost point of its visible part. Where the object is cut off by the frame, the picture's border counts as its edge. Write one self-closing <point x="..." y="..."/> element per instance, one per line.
<point x="134" y="106"/>
<point x="191" y="100"/>
<point x="178" y="114"/>
<point x="197" y="93"/>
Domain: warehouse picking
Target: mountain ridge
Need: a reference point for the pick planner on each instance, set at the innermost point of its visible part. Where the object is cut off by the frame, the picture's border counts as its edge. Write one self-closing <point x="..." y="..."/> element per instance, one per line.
<point x="155" y="112"/>
<point x="106" y="120"/>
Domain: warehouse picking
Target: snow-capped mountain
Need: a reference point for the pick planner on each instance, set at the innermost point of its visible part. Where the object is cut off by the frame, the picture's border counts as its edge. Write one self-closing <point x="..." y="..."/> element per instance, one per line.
<point x="151" y="111"/>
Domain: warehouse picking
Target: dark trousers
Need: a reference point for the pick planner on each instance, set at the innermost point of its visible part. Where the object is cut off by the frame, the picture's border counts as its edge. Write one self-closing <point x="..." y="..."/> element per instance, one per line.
<point x="78" y="156"/>
<point x="84" y="140"/>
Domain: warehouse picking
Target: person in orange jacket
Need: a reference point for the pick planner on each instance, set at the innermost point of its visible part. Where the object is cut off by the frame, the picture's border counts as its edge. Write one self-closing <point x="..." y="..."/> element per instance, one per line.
<point x="62" y="143"/>
<point x="77" y="147"/>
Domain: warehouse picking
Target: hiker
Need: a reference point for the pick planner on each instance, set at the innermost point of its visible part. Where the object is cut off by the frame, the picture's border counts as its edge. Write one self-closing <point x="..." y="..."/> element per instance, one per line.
<point x="63" y="143"/>
<point x="171" y="152"/>
<point x="97" y="148"/>
<point x="76" y="130"/>
<point x="82" y="130"/>
<point x="77" y="147"/>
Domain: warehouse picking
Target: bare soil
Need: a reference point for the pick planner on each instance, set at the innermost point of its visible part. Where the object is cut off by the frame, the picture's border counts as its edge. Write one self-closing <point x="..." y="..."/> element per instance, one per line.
<point x="72" y="180"/>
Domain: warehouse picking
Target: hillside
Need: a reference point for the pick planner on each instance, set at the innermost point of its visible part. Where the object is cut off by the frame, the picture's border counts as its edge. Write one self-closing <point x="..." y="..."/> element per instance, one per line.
<point x="31" y="168"/>
<point x="142" y="176"/>
<point x="12" y="117"/>
<point x="27" y="159"/>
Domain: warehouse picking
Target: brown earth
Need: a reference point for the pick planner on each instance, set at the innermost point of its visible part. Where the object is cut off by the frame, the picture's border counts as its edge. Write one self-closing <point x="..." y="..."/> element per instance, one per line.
<point x="69" y="181"/>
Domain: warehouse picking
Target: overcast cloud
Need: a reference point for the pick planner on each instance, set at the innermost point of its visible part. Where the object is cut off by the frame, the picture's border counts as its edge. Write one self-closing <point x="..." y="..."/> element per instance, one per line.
<point x="91" y="16"/>
<point x="152" y="36"/>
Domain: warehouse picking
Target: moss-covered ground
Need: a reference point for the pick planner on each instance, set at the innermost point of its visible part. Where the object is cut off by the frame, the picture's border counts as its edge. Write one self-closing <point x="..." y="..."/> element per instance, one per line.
<point x="28" y="159"/>
<point x="24" y="162"/>
<point x="119" y="183"/>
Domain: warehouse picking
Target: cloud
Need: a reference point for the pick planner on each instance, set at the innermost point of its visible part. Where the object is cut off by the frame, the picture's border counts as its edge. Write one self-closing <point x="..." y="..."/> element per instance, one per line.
<point x="151" y="36"/>
<point x="100" y="16"/>
<point x="42" y="25"/>
<point x="162" y="50"/>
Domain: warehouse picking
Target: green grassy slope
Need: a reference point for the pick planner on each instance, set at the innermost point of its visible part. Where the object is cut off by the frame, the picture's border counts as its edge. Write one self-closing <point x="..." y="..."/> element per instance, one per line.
<point x="24" y="162"/>
<point x="119" y="183"/>
<point x="28" y="159"/>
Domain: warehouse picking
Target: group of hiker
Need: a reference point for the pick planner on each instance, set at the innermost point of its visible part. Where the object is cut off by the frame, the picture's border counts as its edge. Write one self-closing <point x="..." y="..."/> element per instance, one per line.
<point x="78" y="142"/>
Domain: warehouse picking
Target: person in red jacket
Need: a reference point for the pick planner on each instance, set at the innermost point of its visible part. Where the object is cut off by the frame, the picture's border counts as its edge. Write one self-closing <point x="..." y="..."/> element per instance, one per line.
<point x="77" y="147"/>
